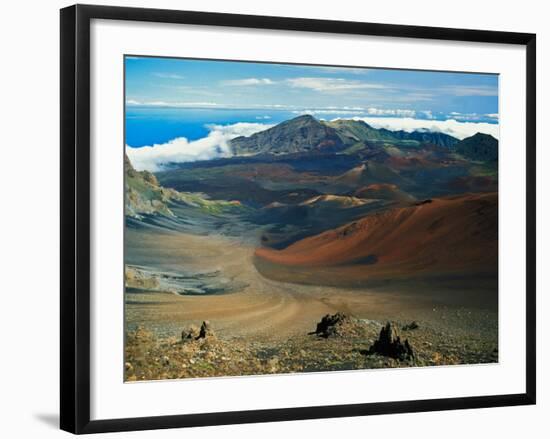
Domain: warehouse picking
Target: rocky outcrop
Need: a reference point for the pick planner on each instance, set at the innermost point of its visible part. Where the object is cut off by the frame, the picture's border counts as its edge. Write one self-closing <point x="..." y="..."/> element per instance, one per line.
<point x="145" y="196"/>
<point x="206" y="330"/>
<point x="331" y="325"/>
<point x="193" y="333"/>
<point x="389" y="344"/>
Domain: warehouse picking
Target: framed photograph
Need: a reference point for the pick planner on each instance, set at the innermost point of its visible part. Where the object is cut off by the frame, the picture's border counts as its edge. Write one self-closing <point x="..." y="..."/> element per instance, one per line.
<point x="284" y="218"/>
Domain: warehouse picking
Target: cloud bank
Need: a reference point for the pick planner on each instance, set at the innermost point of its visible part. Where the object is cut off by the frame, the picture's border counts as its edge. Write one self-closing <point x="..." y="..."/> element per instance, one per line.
<point x="460" y="130"/>
<point x="469" y="90"/>
<point x="154" y="158"/>
<point x="331" y="84"/>
<point x="359" y="111"/>
<point x="168" y="75"/>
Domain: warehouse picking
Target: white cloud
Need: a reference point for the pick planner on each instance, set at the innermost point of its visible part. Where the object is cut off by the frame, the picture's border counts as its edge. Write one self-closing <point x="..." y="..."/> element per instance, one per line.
<point x="358" y="111"/>
<point x="154" y="158"/>
<point x="460" y="130"/>
<point x="168" y="75"/>
<point x="328" y="111"/>
<point x="428" y="114"/>
<point x="248" y="81"/>
<point x="469" y="90"/>
<point x="472" y="116"/>
<point x="390" y="112"/>
<point x="331" y="84"/>
<point x="277" y="106"/>
<point x="332" y="107"/>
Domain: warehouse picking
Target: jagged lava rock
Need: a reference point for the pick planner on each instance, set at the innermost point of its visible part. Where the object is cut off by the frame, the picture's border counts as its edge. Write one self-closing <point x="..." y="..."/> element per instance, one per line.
<point x="206" y="330"/>
<point x="389" y="344"/>
<point x="330" y="324"/>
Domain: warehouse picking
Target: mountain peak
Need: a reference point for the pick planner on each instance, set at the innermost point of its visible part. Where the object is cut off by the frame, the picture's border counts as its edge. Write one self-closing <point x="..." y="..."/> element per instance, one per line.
<point x="482" y="136"/>
<point x="480" y="146"/>
<point x="305" y="133"/>
<point x="297" y="135"/>
<point x="303" y="117"/>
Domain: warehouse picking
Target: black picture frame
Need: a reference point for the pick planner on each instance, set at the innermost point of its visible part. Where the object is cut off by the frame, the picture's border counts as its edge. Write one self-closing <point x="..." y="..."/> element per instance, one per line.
<point x="75" y="217"/>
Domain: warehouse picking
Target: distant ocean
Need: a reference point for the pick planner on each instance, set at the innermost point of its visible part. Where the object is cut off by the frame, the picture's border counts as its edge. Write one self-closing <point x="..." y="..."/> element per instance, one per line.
<point x="149" y="126"/>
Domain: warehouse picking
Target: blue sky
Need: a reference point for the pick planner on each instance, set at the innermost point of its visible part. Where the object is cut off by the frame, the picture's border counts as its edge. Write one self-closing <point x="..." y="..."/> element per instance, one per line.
<point x="182" y="83"/>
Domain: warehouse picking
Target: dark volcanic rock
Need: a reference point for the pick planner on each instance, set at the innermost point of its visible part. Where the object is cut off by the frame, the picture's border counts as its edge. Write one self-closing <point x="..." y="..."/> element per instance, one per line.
<point x="329" y="324"/>
<point x="205" y="330"/>
<point x="410" y="326"/>
<point x="194" y="333"/>
<point x="389" y="344"/>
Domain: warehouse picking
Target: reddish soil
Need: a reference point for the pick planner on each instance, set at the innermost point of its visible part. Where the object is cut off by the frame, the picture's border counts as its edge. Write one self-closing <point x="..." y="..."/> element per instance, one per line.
<point x="446" y="235"/>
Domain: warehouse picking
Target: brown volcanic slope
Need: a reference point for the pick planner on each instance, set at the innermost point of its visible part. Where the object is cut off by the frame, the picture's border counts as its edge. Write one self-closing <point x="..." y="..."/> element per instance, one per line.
<point x="368" y="173"/>
<point x="335" y="201"/>
<point x="450" y="235"/>
<point x="383" y="191"/>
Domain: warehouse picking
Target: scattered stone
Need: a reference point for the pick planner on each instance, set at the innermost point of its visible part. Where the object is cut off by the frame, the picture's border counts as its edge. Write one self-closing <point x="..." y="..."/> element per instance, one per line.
<point x="330" y="324"/>
<point x="389" y="344"/>
<point x="411" y="326"/>
<point x="350" y="349"/>
<point x="273" y="364"/>
<point x="189" y="334"/>
<point x="368" y="322"/>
